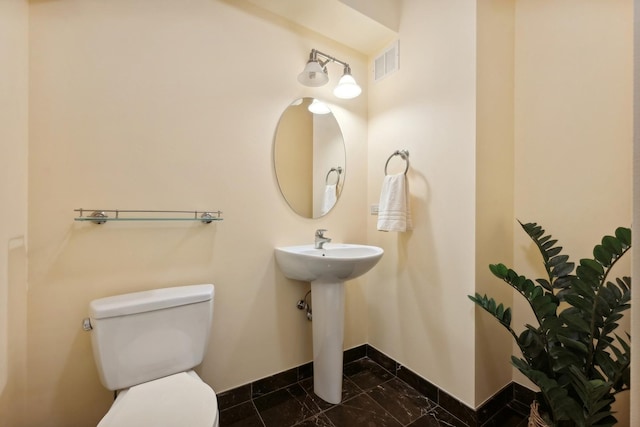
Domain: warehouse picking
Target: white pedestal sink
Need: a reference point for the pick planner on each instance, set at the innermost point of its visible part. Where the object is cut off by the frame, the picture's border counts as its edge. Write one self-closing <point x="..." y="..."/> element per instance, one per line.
<point x="327" y="269"/>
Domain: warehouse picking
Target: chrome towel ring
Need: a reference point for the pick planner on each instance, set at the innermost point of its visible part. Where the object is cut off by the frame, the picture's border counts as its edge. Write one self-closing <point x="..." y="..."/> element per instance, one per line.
<point x="402" y="153"/>
<point x="337" y="170"/>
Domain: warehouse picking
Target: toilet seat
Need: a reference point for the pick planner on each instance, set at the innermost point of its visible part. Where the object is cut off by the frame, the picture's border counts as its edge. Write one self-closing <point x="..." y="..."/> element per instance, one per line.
<point x="177" y="400"/>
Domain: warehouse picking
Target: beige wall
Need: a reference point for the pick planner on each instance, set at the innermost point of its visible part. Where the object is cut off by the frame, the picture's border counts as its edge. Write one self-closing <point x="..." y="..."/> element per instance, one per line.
<point x="573" y="127"/>
<point x="419" y="313"/>
<point x="13" y="216"/>
<point x="494" y="187"/>
<point x="171" y="105"/>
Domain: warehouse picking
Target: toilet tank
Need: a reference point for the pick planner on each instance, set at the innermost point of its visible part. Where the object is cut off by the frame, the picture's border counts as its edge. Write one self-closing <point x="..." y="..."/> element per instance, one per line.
<point x="143" y="336"/>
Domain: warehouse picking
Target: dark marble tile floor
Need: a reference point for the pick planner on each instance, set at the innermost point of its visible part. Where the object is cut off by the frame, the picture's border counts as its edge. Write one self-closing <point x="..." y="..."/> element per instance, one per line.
<point x="372" y="397"/>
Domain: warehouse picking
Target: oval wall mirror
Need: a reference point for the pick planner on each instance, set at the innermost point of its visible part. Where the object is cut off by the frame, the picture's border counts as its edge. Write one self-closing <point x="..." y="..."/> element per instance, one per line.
<point x="309" y="157"/>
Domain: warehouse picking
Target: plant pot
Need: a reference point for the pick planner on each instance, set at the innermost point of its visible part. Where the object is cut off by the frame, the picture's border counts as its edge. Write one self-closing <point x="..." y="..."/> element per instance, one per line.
<point x="535" y="419"/>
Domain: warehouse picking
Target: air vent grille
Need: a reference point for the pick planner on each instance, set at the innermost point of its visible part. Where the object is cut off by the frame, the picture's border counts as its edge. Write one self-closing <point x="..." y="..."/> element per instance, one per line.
<point x="387" y="62"/>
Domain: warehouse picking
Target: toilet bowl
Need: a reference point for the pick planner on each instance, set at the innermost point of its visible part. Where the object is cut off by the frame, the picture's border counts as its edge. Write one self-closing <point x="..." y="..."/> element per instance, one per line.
<point x="146" y="345"/>
<point x="177" y="400"/>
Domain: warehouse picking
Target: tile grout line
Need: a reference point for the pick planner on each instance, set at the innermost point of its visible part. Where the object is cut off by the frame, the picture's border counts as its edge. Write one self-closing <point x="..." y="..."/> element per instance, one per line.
<point x="258" y="412"/>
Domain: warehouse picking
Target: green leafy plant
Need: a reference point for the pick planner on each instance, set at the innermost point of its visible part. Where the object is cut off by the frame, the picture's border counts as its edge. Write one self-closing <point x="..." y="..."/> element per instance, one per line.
<point x="572" y="354"/>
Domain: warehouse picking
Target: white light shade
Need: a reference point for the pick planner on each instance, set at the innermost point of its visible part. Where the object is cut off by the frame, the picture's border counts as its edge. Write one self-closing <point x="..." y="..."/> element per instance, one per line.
<point x="318" y="107"/>
<point x="313" y="75"/>
<point x="347" y="87"/>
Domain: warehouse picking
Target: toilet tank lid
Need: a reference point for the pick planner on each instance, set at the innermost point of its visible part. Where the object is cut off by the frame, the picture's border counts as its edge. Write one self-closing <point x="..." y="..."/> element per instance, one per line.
<point x="155" y="299"/>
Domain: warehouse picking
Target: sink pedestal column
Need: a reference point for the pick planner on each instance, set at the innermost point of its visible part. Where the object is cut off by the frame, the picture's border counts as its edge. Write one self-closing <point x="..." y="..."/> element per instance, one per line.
<point x="328" y="336"/>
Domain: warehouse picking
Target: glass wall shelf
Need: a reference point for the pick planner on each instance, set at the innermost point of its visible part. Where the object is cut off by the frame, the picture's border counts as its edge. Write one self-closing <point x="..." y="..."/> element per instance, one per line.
<point x="100" y="216"/>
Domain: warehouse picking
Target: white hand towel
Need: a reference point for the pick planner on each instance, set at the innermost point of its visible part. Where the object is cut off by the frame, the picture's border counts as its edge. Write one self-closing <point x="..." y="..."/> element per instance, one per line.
<point x="329" y="198"/>
<point x="394" y="212"/>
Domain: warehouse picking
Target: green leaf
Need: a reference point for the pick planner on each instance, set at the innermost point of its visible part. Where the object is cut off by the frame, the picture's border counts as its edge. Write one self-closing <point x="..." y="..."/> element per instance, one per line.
<point x="523" y="283"/>
<point x="526" y="338"/>
<point x="579" y="302"/>
<point x="500" y="311"/>
<point x="563" y="269"/>
<point x="543" y="306"/>
<point x="574" y="344"/>
<point x="531" y="343"/>
<point x="534" y="231"/>
<point x="592" y="265"/>
<point x="609" y="327"/>
<point x="552" y="324"/>
<point x="545" y="243"/>
<point x="606" y="299"/>
<point x="624" y="235"/>
<point x="499" y="270"/>
<point x="536" y="292"/>
<point x="612" y="244"/>
<point x="489" y="305"/>
<point x="506" y="318"/>
<point x="554" y="251"/>
<point x="620" y="357"/>
<point x="563" y="359"/>
<point x="603" y="255"/>
<point x="583" y="289"/>
<point x="557" y="260"/>
<point x="545" y="284"/>
<point x="606" y="364"/>
<point x="575" y="322"/>
<point x="617" y="293"/>
<point x="624" y="283"/>
<point x="625" y="346"/>
<point x="563" y="282"/>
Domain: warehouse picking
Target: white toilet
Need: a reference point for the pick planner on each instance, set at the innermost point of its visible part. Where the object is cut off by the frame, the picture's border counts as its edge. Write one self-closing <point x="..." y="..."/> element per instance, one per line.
<point x="145" y="345"/>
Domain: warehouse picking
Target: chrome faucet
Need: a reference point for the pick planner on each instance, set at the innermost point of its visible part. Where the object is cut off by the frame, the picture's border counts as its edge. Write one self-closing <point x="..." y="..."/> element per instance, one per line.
<point x="320" y="239"/>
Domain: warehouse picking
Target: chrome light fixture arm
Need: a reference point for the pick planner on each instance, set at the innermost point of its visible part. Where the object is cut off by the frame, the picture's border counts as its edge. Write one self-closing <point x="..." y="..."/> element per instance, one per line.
<point x="315" y="74"/>
<point x="313" y="56"/>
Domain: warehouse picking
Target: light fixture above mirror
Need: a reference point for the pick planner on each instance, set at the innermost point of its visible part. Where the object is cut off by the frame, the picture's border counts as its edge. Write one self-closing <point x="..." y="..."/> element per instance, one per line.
<point x="315" y="75"/>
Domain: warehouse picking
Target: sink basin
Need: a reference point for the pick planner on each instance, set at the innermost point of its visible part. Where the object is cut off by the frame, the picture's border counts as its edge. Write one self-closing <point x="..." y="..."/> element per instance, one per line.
<point x="336" y="262"/>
